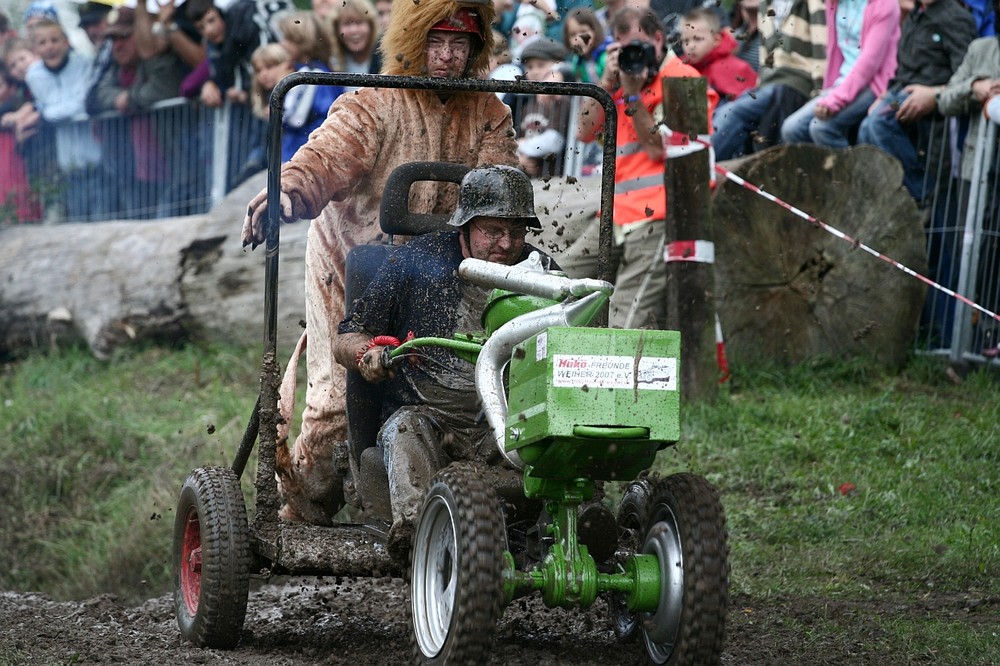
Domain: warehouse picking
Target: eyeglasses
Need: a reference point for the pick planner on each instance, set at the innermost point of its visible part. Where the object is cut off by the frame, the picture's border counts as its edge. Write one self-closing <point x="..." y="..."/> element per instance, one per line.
<point x="515" y="233"/>
<point x="457" y="45"/>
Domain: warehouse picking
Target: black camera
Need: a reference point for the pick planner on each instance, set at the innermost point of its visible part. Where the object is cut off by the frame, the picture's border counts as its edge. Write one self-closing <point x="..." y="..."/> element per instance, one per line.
<point x="636" y="56"/>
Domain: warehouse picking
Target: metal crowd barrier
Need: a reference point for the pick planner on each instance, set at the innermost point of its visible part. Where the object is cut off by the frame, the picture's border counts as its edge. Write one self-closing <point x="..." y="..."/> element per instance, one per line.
<point x="179" y="158"/>
<point x="963" y="245"/>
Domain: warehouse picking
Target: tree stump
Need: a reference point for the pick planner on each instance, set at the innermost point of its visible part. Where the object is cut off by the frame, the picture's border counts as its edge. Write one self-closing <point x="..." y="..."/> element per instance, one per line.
<point x="789" y="291"/>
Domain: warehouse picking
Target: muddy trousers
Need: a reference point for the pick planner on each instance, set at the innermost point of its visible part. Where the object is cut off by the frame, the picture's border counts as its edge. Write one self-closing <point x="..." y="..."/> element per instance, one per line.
<point x="417" y="442"/>
<point x="310" y="484"/>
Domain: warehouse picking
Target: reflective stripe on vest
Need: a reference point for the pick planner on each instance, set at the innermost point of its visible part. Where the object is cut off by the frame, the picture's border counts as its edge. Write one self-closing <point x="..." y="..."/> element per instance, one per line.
<point x="628" y="149"/>
<point x="639" y="183"/>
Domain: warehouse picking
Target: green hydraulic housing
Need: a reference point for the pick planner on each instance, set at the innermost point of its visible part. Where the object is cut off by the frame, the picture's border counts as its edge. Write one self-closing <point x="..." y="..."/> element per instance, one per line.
<point x="595" y="403"/>
<point x="584" y="404"/>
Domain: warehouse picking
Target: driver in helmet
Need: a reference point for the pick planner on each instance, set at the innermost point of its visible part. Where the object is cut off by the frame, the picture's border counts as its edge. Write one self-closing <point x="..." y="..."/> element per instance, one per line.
<point x="431" y="406"/>
<point x="336" y="180"/>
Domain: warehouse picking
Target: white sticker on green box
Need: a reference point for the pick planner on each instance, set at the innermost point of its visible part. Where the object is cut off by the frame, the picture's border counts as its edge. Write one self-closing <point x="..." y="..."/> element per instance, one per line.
<point x="615" y="372"/>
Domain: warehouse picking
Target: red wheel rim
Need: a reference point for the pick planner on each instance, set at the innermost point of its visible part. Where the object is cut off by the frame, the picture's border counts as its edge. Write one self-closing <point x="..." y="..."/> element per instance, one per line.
<point x="190" y="565"/>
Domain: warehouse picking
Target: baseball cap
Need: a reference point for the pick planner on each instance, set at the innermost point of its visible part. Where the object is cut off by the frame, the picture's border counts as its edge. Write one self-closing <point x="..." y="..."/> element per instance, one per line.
<point x="543" y="48"/>
<point x="121" y="22"/>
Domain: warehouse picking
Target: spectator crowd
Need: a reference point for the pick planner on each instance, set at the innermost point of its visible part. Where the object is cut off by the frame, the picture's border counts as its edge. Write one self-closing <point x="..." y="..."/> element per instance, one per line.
<point x="80" y="139"/>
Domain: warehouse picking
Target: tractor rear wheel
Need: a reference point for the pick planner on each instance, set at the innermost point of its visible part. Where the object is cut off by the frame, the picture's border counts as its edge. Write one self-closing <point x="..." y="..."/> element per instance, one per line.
<point x="211" y="557"/>
<point x="687" y="533"/>
<point x="456" y="584"/>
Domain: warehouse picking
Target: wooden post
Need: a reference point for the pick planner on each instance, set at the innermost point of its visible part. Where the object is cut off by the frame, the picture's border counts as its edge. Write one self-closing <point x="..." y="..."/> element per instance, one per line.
<point x="690" y="284"/>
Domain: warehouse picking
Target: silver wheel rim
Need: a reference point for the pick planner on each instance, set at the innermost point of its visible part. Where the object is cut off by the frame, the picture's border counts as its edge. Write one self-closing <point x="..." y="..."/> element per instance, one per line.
<point x="434" y="577"/>
<point x="660" y="628"/>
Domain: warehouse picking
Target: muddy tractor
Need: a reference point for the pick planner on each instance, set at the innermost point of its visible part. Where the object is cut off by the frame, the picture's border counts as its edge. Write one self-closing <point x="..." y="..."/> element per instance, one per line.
<point x="573" y="407"/>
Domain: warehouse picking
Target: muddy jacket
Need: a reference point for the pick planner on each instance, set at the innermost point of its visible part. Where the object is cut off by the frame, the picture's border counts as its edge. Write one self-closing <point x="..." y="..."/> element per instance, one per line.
<point x="418" y="290"/>
<point x="347" y="161"/>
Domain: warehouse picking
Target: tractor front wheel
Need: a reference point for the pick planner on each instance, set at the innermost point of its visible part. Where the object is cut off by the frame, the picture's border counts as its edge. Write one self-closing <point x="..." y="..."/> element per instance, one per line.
<point x="686" y="531"/>
<point x="456" y="576"/>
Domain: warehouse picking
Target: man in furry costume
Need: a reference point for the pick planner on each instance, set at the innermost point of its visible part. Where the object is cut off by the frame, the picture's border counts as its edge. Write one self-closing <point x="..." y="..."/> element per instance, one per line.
<point x="336" y="180"/>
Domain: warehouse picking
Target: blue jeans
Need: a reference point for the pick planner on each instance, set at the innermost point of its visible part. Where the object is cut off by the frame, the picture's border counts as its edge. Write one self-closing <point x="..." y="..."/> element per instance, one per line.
<point x="881" y="129"/>
<point x="736" y="120"/>
<point x="804" y="127"/>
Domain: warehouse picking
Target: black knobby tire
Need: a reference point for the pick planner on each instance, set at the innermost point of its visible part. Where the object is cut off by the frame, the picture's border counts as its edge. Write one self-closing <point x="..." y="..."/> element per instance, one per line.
<point x="687" y="531"/>
<point x="457" y="562"/>
<point x="211" y="558"/>
<point x="633" y="513"/>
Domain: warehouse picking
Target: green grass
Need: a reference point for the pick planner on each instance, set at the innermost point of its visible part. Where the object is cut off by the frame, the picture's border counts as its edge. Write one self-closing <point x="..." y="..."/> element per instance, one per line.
<point x="918" y="522"/>
<point x="95" y="452"/>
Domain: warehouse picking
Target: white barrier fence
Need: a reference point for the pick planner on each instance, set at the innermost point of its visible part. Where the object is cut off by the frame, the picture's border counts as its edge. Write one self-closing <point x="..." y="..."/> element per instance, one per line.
<point x="178" y="159"/>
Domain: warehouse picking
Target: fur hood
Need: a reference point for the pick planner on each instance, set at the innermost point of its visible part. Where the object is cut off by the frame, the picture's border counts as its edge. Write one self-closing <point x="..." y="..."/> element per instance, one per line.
<point x="403" y="45"/>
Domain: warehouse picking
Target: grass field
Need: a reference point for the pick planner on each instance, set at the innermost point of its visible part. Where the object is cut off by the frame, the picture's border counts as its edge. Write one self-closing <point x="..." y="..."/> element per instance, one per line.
<point x="861" y="505"/>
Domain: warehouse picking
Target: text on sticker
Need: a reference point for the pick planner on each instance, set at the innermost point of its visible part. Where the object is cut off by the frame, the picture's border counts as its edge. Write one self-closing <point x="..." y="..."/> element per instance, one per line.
<point x="617" y="372"/>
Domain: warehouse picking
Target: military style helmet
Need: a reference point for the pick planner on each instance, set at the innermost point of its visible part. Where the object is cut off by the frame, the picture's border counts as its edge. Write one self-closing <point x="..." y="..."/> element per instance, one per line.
<point x="496" y="191"/>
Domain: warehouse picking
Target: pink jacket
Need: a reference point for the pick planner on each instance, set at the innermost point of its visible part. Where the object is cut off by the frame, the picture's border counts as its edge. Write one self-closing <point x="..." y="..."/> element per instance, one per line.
<point x="877" y="63"/>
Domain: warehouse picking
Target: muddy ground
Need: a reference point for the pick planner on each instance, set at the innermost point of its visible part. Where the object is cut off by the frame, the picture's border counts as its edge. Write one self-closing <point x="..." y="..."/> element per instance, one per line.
<point x="361" y="621"/>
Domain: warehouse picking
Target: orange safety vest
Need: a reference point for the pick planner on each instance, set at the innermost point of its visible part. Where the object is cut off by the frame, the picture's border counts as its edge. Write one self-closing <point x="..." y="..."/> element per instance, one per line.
<point x="640" y="194"/>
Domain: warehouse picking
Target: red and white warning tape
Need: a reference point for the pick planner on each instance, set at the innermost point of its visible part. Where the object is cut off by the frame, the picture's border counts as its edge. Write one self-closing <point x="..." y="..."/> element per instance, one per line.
<point x="671" y="137"/>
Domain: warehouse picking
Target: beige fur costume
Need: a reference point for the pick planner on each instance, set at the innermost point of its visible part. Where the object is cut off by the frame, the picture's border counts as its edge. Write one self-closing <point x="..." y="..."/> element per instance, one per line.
<point x="337" y="178"/>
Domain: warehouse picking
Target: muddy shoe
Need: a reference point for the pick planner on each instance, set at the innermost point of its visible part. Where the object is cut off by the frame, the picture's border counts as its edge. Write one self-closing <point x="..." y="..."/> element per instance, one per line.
<point x="598" y="531"/>
<point x="399" y="543"/>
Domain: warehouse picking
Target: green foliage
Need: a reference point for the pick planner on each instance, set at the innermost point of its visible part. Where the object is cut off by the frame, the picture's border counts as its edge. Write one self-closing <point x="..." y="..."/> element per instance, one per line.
<point x="94" y="454"/>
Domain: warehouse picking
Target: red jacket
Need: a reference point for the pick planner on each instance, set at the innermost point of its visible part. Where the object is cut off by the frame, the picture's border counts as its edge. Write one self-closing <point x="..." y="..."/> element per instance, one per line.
<point x="726" y="73"/>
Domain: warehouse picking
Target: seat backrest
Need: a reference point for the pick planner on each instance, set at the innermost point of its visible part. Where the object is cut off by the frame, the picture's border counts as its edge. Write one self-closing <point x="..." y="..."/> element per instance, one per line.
<point x="364" y="400"/>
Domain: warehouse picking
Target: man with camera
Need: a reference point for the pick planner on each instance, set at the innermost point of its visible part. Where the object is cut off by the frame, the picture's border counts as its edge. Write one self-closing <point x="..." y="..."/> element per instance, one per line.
<point x="637" y="62"/>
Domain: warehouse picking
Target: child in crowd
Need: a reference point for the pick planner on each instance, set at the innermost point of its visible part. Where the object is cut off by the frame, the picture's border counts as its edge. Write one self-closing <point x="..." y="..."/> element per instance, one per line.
<point x="306" y="107"/>
<point x="17" y="201"/>
<point x="23" y="120"/>
<point x="270" y="63"/>
<point x="710" y="50"/>
<point x="231" y="38"/>
<point x="59" y="84"/>
<point x="355" y="28"/>
<point x="862" y="37"/>
<point x="583" y="35"/>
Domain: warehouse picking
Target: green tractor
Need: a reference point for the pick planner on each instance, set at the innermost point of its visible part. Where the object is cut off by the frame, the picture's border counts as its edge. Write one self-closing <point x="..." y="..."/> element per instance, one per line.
<point x="572" y="406"/>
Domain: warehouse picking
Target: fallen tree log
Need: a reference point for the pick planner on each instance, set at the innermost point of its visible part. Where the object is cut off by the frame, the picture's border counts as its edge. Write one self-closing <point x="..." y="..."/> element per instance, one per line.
<point x="111" y="284"/>
<point x="789" y="291"/>
<point x="108" y="284"/>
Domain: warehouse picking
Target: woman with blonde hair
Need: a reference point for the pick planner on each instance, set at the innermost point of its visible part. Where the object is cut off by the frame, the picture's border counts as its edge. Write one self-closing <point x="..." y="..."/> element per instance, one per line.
<point x="271" y="63"/>
<point x="355" y="27"/>
<point x="309" y="45"/>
